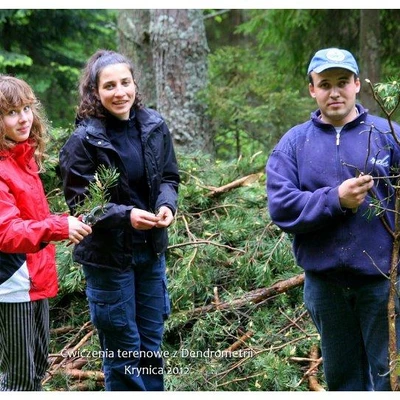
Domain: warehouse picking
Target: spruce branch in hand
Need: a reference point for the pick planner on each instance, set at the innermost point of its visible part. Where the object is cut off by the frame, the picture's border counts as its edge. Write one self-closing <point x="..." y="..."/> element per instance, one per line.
<point x="98" y="192"/>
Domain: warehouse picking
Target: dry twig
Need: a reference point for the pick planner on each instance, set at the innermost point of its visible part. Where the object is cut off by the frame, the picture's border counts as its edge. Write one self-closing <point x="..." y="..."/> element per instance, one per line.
<point x="245" y="181"/>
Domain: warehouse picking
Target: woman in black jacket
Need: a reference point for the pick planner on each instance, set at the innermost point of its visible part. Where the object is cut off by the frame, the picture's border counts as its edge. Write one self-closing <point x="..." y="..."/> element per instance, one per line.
<point x="124" y="258"/>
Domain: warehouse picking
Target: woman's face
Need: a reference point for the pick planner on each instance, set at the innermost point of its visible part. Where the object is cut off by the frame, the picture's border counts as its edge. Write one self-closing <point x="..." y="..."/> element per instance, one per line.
<point x="18" y="123"/>
<point x="117" y="90"/>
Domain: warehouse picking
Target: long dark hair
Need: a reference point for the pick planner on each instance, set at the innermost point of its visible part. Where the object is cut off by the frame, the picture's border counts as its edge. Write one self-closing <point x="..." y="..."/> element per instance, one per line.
<point x="90" y="104"/>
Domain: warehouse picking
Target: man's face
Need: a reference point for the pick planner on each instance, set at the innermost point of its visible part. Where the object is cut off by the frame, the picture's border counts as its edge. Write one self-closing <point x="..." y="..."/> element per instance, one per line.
<point x="335" y="92"/>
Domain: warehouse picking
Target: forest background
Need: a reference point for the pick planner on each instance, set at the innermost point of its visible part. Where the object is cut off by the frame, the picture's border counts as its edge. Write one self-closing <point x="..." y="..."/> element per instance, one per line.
<point x="230" y="83"/>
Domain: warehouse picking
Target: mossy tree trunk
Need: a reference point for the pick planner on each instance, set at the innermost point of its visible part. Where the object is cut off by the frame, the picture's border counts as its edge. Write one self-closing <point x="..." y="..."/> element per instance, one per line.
<point x="370" y="55"/>
<point x="180" y="50"/>
<point x="134" y="41"/>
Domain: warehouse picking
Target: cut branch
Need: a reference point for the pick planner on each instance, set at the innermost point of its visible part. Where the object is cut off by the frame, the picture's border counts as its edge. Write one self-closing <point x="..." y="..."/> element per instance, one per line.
<point x="81" y="375"/>
<point x="62" y="330"/>
<point x="314" y="362"/>
<point x="59" y="361"/>
<point x="253" y="297"/>
<point x="198" y="242"/>
<point x="313" y="383"/>
<point x="240" y="342"/>
<point x="245" y="181"/>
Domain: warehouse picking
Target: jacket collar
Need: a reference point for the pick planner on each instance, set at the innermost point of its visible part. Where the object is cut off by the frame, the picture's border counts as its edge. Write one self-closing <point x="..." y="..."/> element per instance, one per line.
<point x="147" y="121"/>
<point x="21" y="152"/>
<point x="362" y="116"/>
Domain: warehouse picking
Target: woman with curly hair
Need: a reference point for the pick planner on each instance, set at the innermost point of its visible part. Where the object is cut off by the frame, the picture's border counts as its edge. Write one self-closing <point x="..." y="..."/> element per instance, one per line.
<point x="28" y="274"/>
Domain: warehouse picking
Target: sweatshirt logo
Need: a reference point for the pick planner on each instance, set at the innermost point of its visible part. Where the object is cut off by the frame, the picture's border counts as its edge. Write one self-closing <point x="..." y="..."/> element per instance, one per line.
<point x="384" y="162"/>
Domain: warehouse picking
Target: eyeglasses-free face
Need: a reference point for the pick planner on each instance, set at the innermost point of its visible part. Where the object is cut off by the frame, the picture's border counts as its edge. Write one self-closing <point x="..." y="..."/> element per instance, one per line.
<point x="116" y="90"/>
<point x="18" y="123"/>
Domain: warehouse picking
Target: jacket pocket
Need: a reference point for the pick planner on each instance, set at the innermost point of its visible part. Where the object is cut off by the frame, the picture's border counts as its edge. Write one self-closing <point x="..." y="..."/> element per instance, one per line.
<point x="107" y="309"/>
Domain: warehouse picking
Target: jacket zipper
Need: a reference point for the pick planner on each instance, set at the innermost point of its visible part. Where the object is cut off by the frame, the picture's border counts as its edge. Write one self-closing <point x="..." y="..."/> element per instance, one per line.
<point x="340" y="180"/>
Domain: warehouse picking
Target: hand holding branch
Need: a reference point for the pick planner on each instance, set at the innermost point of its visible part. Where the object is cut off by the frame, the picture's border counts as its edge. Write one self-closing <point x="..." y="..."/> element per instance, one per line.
<point x="353" y="191"/>
<point x="144" y="220"/>
<point x="166" y="217"/>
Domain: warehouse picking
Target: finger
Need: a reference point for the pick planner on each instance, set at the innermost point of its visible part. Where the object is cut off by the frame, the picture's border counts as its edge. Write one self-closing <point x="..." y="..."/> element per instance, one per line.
<point x="151" y="218"/>
<point x="78" y="237"/>
<point x="85" y="230"/>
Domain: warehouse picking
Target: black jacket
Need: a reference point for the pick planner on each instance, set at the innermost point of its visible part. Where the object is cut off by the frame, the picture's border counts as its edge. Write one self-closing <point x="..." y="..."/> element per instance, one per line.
<point x="110" y="244"/>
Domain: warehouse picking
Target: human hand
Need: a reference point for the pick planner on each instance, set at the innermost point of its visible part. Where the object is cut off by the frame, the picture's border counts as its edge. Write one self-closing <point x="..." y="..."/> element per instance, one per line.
<point x="353" y="191"/>
<point x="143" y="220"/>
<point x="166" y="217"/>
<point x="77" y="230"/>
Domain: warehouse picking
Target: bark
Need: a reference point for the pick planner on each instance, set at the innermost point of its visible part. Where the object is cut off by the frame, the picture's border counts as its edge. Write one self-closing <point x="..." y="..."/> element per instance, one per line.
<point x="369" y="60"/>
<point x="180" y="52"/>
<point x="239" y="343"/>
<point x="393" y="356"/>
<point x="253" y="297"/>
<point x="62" y="330"/>
<point x="313" y="383"/>
<point x="81" y="375"/>
<point x="134" y="42"/>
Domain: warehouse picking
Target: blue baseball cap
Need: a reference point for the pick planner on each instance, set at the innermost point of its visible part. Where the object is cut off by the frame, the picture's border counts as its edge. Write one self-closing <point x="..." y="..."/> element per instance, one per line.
<point x="333" y="58"/>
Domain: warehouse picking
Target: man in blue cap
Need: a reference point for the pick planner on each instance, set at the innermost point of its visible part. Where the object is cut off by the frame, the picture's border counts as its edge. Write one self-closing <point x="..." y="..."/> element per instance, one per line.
<point x="321" y="178"/>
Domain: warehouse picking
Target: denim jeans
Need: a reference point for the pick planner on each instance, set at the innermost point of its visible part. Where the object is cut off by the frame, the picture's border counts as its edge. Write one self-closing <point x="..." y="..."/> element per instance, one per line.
<point x="353" y="325"/>
<point x="128" y="309"/>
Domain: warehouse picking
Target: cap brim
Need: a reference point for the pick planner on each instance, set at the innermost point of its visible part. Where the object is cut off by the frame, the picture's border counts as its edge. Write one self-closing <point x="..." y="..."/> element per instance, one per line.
<point x="329" y="66"/>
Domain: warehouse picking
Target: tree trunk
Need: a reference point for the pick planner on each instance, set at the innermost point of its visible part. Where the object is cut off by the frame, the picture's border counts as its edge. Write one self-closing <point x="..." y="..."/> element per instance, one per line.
<point x="134" y="42"/>
<point x="180" y="51"/>
<point x="393" y="294"/>
<point x="369" y="60"/>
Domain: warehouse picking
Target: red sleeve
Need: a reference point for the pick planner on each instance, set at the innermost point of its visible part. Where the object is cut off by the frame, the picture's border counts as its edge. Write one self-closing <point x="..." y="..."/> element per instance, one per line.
<point x="19" y="235"/>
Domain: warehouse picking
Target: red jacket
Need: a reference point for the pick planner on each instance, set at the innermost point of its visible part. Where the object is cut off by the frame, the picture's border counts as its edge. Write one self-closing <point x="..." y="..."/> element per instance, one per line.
<point x="27" y="260"/>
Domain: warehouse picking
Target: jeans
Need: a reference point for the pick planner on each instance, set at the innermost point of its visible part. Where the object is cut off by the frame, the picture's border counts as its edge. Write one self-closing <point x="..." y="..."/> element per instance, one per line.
<point x="128" y="309"/>
<point x="353" y="325"/>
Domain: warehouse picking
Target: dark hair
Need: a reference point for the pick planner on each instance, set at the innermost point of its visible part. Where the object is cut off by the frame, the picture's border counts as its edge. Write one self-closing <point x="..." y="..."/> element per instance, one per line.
<point x="16" y="93"/>
<point x="310" y="79"/>
<point x="90" y="104"/>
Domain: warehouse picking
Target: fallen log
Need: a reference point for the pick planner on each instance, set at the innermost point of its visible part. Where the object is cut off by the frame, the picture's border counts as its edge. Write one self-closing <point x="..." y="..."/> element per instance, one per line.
<point x="254" y="297"/>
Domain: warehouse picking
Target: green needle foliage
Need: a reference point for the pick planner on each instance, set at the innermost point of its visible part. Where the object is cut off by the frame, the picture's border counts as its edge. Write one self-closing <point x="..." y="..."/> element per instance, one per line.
<point x="98" y="189"/>
<point x="222" y="246"/>
<point x="225" y="245"/>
